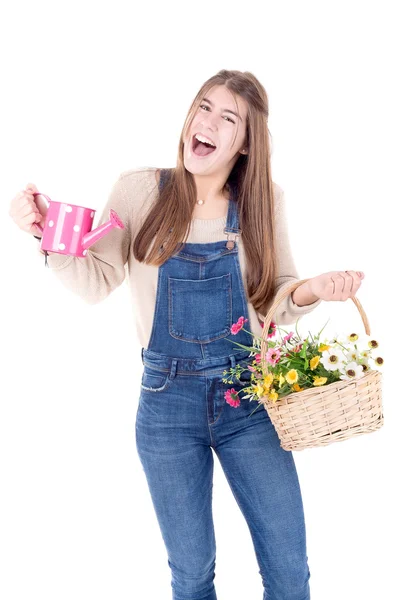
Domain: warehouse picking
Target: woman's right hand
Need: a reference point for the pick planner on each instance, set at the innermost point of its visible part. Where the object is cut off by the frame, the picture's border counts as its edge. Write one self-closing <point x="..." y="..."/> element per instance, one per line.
<point x="26" y="211"/>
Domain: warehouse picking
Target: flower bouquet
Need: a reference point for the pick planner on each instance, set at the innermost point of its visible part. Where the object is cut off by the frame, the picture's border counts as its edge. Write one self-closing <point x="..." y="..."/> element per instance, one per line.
<point x="316" y="391"/>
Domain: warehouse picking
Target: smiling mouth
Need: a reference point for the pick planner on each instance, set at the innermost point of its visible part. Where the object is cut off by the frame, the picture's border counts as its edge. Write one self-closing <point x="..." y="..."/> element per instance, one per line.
<point x="201" y="148"/>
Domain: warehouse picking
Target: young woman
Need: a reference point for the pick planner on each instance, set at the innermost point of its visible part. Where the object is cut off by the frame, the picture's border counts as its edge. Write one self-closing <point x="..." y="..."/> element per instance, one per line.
<point x="206" y="243"/>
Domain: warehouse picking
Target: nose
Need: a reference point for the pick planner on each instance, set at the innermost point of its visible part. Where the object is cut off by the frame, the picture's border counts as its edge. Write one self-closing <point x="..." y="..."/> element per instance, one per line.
<point x="210" y="121"/>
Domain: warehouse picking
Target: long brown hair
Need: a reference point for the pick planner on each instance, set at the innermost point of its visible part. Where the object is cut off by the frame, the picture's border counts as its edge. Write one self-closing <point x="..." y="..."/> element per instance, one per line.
<point x="167" y="223"/>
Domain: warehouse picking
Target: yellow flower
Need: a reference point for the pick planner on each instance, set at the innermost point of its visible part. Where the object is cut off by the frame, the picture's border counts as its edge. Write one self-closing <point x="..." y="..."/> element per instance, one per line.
<point x="297" y="388"/>
<point x="314" y="362"/>
<point x="281" y="380"/>
<point x="273" y="396"/>
<point x="268" y="379"/>
<point x="320" y="380"/>
<point x="261" y="390"/>
<point x="373" y="344"/>
<point x="323" y="347"/>
<point x="292" y="376"/>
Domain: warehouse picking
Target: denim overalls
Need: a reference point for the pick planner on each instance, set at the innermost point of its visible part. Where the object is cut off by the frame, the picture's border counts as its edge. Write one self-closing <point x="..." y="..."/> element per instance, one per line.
<point x="182" y="416"/>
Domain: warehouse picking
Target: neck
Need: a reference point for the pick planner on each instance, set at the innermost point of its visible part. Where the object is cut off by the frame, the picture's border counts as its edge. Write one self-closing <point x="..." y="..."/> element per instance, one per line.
<point x="211" y="189"/>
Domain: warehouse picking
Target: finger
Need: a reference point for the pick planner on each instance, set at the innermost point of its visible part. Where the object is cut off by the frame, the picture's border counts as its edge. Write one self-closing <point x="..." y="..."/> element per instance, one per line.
<point x="28" y="193"/>
<point x="23" y="201"/>
<point x="27" y="221"/>
<point x="349" y="284"/>
<point x="24" y="198"/>
<point x="19" y="208"/>
<point x="26" y="210"/>
<point x="28" y="199"/>
<point x="338" y="282"/>
<point x="356" y="282"/>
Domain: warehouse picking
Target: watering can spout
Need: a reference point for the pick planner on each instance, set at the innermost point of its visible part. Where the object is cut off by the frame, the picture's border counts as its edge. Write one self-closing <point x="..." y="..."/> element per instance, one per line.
<point x="92" y="236"/>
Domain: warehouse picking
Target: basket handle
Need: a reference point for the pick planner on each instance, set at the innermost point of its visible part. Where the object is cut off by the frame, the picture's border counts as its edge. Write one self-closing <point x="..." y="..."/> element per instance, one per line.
<point x="288" y="290"/>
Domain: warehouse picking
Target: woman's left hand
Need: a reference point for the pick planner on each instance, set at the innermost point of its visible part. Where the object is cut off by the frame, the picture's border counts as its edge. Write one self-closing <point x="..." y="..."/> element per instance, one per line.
<point x="336" y="285"/>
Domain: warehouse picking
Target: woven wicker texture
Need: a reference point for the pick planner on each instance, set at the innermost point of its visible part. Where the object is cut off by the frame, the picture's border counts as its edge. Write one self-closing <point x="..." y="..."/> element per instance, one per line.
<point x="331" y="413"/>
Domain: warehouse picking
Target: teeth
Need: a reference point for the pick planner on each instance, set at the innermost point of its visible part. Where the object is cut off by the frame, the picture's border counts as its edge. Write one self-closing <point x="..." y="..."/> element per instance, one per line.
<point x="204" y="139"/>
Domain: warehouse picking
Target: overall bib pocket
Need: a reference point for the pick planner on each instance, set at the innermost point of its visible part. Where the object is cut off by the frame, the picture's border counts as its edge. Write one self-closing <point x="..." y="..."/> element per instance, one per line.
<point x="200" y="310"/>
<point x="154" y="380"/>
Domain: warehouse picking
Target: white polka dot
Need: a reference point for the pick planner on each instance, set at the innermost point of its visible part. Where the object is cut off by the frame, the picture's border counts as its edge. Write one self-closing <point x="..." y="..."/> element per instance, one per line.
<point x="61" y="246"/>
<point x="84" y="252"/>
<point x="68" y="209"/>
<point x="51" y="223"/>
<point x="92" y="214"/>
<point x="76" y="228"/>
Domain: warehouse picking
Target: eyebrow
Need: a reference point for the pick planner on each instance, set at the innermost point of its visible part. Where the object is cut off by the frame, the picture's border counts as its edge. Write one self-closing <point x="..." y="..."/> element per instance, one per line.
<point x="223" y="110"/>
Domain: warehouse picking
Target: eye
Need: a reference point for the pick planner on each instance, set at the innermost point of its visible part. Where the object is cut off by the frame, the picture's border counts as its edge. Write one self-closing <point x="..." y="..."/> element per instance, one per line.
<point x="229" y="119"/>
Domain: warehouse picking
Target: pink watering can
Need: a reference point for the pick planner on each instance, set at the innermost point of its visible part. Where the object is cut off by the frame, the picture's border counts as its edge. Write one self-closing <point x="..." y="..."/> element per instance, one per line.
<point x="68" y="228"/>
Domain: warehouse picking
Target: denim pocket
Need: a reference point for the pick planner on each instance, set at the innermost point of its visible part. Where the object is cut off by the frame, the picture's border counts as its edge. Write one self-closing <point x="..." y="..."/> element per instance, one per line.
<point x="200" y="310"/>
<point x="154" y="380"/>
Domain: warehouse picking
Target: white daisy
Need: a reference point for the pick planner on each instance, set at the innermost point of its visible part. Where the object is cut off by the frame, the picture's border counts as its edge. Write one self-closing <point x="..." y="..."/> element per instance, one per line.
<point x="352" y="371"/>
<point x="331" y="359"/>
<point x="353" y="355"/>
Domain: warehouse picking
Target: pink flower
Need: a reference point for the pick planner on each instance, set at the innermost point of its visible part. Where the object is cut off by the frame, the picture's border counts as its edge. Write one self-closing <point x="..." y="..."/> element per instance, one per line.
<point x="273" y="355"/>
<point x="271" y="329"/>
<point x="232" y="397"/>
<point x="236" y="327"/>
<point x="287" y="337"/>
<point x="298" y="347"/>
<point x="253" y="369"/>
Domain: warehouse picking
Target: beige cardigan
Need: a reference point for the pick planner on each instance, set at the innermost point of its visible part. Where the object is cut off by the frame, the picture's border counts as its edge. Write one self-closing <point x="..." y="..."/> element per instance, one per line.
<point x="110" y="261"/>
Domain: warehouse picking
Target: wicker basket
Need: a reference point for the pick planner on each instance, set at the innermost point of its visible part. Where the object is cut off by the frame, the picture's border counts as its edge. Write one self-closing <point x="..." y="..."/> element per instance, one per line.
<point x="330" y="413"/>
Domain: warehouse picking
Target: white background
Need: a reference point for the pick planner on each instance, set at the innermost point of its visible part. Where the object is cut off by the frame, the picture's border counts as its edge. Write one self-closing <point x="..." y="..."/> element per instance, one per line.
<point x="92" y="89"/>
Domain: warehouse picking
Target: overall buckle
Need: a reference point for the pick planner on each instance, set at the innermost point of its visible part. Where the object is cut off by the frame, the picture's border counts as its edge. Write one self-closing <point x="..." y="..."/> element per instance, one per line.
<point x="230" y="244"/>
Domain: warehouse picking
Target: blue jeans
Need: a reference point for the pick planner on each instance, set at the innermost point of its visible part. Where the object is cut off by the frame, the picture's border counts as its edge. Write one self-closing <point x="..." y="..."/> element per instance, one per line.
<point x="181" y="418"/>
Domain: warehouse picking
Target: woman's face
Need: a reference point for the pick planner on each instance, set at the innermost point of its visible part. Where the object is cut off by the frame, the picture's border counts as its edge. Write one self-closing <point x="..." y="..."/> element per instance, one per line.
<point x="216" y="119"/>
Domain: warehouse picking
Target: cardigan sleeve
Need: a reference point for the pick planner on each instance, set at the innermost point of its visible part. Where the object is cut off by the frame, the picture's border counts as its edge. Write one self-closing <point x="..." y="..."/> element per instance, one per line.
<point x="96" y="275"/>
<point x="287" y="311"/>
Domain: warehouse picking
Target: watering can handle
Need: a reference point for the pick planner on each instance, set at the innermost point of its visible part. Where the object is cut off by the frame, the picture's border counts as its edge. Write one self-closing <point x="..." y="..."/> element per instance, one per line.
<point x="48" y="200"/>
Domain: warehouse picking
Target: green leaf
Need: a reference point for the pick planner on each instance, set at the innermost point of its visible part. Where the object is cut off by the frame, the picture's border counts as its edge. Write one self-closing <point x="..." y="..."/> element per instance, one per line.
<point x="302" y="352"/>
<point x="241" y="345"/>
